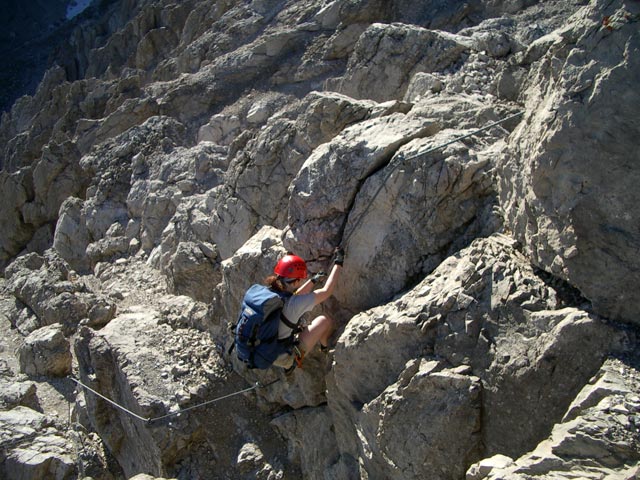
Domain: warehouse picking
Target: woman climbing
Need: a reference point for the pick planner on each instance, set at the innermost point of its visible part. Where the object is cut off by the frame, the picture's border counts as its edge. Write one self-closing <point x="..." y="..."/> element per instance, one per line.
<point x="268" y="331"/>
<point x="290" y="277"/>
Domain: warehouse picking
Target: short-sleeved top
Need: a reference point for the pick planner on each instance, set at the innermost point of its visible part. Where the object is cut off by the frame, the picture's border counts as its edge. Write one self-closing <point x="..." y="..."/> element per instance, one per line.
<point x="294" y="307"/>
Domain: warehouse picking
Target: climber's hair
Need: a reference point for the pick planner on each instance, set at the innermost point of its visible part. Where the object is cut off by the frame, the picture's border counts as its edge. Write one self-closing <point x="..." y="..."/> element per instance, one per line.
<point x="275" y="282"/>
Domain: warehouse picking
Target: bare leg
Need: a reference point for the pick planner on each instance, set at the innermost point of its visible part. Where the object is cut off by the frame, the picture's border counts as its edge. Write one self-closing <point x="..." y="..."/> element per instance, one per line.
<point x="319" y="330"/>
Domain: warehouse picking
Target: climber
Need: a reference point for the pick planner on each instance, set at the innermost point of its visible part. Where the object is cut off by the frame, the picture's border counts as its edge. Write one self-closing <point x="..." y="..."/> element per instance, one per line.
<point x="289" y="276"/>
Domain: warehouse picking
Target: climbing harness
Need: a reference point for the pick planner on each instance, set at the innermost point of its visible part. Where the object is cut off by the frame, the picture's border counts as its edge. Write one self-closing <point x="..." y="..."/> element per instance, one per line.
<point x="402" y="159"/>
<point x="150" y="420"/>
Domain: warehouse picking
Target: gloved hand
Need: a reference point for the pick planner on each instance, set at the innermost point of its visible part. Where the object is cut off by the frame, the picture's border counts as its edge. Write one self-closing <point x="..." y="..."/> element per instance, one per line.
<point x="338" y="256"/>
<point x="317" y="277"/>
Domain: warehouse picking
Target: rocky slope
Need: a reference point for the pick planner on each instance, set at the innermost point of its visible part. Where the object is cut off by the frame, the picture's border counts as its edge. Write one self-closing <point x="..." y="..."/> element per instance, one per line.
<point x="487" y="311"/>
<point x="30" y="32"/>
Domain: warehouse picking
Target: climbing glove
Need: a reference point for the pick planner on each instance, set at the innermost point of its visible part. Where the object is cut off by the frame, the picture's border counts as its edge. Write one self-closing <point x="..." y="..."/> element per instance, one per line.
<point x="338" y="256"/>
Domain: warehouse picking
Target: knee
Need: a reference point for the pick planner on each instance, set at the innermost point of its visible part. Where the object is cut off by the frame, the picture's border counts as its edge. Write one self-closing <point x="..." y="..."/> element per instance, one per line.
<point x="326" y="322"/>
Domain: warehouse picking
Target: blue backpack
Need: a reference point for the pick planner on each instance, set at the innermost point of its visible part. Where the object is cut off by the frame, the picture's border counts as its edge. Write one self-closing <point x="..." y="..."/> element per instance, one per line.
<point x="256" y="333"/>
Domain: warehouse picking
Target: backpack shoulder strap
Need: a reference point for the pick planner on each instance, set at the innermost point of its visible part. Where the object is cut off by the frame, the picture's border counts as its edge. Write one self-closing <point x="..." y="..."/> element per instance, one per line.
<point x="293" y="326"/>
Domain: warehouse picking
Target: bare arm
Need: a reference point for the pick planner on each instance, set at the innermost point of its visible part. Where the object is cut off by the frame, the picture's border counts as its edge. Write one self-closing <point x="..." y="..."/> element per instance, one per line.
<point x="326" y="291"/>
<point x="305" y="288"/>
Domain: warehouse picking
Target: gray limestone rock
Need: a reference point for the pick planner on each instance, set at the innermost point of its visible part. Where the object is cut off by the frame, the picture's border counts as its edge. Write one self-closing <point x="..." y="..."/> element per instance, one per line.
<point x="598" y="438"/>
<point x="324" y="189"/>
<point x="486" y="311"/>
<point x="15" y="190"/>
<point x="46" y="352"/>
<point x="387" y="56"/>
<point x="193" y="270"/>
<point x="134" y="352"/>
<point x="71" y="237"/>
<point x="183" y="147"/>
<point x="14" y="392"/>
<point x="252" y="463"/>
<point x="312" y="440"/>
<point x="52" y="293"/>
<point x="32" y="448"/>
<point x="431" y="414"/>
<point x="568" y="179"/>
<point x="153" y="369"/>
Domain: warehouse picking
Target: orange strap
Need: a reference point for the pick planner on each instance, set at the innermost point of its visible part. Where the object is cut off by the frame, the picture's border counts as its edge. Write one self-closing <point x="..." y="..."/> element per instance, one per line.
<point x="299" y="356"/>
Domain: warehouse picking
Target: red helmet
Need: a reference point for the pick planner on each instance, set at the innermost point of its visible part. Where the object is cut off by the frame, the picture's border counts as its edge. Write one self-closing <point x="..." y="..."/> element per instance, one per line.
<point x="291" y="266"/>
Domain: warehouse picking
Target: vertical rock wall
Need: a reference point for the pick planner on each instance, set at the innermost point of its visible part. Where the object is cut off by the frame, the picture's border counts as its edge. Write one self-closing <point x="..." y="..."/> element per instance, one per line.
<point x="569" y="176"/>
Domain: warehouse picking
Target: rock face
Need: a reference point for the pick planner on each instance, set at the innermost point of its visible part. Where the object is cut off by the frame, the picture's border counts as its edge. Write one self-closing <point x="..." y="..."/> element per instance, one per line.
<point x="386" y="57"/>
<point x="510" y="339"/>
<point x="120" y="358"/>
<point x="477" y="161"/>
<point x="570" y="209"/>
<point x="108" y="354"/>
<point x="602" y="421"/>
<point x="49" y="456"/>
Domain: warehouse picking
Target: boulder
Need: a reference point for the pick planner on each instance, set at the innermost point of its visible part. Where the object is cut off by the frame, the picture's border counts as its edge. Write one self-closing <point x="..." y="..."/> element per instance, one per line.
<point x="155" y="369"/>
<point x="14" y="392"/>
<point x="492" y="36"/>
<point x="427" y="408"/>
<point x="221" y="129"/>
<point x="416" y="211"/>
<point x="252" y="463"/>
<point x="422" y="84"/>
<point x="71" y="237"/>
<point x="189" y="224"/>
<point x="51" y="291"/>
<point x="193" y="270"/>
<point x="183" y="311"/>
<point x="46" y="352"/>
<point x="312" y="443"/>
<point x="481" y="469"/>
<point x="130" y="352"/>
<point x="235" y="221"/>
<point x="323" y="191"/>
<point x="258" y="113"/>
